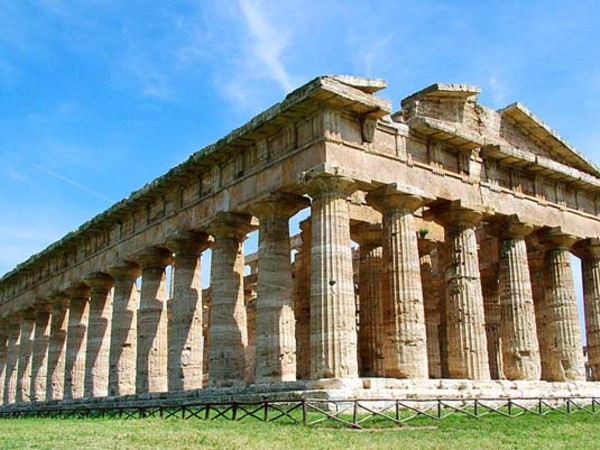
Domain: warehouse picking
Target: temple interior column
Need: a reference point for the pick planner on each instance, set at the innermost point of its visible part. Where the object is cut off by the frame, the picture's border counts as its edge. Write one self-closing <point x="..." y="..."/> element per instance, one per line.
<point x="564" y="339"/>
<point x="520" y="350"/>
<point x="98" y="341"/>
<point x="152" y="346"/>
<point x="123" y="334"/>
<point x="467" y="342"/>
<point x="589" y="252"/>
<point x="39" y="360"/>
<point x="405" y="346"/>
<point x="275" y="322"/>
<point x="431" y="304"/>
<point x="13" y="327"/>
<point x="333" y="338"/>
<point x="370" y="292"/>
<point x="491" y="307"/>
<point x="79" y="295"/>
<point x="59" y="303"/>
<point x="228" y="320"/>
<point x="3" y="356"/>
<point x="302" y="301"/>
<point x="25" y="352"/>
<point x="186" y="342"/>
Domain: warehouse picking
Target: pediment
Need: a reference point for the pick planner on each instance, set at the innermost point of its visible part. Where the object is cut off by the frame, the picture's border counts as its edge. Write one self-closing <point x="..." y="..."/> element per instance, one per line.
<point x="522" y="130"/>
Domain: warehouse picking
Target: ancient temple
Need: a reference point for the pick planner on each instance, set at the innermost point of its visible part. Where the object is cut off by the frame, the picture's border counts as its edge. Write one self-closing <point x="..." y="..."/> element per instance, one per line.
<point x="436" y="250"/>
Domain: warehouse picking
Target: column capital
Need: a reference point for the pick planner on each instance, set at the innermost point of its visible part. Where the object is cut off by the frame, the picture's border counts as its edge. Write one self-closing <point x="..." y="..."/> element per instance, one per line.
<point x="188" y="242"/>
<point x="556" y="238"/>
<point x="506" y="227"/>
<point x="77" y="289"/>
<point x="587" y="249"/>
<point x="58" y="298"/>
<point x="278" y="204"/>
<point x="230" y="225"/>
<point x="452" y="213"/>
<point x="367" y="235"/>
<point x="154" y="257"/>
<point x="394" y="196"/>
<point x="426" y="246"/>
<point x="27" y="314"/>
<point x="125" y="269"/>
<point x="42" y="305"/>
<point x="321" y="184"/>
<point x="99" y="281"/>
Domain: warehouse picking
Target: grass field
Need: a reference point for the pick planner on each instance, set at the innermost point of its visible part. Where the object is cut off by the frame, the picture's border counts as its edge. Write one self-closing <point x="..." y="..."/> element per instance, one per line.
<point x="555" y="431"/>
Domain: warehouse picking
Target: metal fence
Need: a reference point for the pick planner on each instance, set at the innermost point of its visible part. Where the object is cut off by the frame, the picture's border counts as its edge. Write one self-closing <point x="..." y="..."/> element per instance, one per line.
<point x="352" y="413"/>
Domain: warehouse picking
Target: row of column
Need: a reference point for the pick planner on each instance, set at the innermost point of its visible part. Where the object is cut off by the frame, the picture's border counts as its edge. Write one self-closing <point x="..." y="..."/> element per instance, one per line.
<point x="82" y="342"/>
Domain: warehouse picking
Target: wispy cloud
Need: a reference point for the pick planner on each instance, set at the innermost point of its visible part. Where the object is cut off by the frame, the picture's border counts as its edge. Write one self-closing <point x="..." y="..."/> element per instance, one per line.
<point x="268" y="42"/>
<point x="498" y="92"/>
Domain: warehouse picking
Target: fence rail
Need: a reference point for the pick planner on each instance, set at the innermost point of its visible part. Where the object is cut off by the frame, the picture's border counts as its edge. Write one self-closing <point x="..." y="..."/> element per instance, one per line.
<point x="352" y="413"/>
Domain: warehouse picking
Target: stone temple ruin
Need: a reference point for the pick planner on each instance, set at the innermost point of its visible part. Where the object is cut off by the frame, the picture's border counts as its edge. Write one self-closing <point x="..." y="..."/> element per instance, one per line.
<point x="459" y="282"/>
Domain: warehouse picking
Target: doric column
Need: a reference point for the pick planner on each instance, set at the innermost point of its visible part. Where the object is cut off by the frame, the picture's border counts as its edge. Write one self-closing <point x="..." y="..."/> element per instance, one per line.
<point x="152" y="348"/>
<point x="370" y="294"/>
<point x="431" y="304"/>
<point x="589" y="252"/>
<point x="25" y="352"/>
<point x="333" y="339"/>
<point x="59" y="304"/>
<point x="405" y="345"/>
<point x="3" y="356"/>
<point x="467" y="342"/>
<point x="564" y="337"/>
<point x="79" y="295"/>
<point x="491" y="306"/>
<point x="13" y="327"/>
<point x="123" y="334"/>
<point x="520" y="350"/>
<point x="302" y="301"/>
<point x="98" y="340"/>
<point x="39" y="360"/>
<point x="228" y="322"/>
<point x="275" y="326"/>
<point x="186" y="343"/>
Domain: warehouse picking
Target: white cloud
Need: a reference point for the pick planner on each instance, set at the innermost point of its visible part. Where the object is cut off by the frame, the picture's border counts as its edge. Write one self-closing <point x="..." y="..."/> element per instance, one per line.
<point x="498" y="92"/>
<point x="268" y="42"/>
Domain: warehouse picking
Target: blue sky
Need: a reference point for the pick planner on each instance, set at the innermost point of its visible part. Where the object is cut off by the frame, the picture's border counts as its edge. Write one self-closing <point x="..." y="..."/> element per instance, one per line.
<point x="98" y="97"/>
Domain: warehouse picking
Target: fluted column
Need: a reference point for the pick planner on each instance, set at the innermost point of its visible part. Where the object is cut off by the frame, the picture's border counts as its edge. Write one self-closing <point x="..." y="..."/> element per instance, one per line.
<point x="186" y="342"/>
<point x="275" y="322"/>
<point x="228" y="322"/>
<point x="564" y="340"/>
<point x="589" y="252"/>
<point x="333" y="338"/>
<point x="59" y="302"/>
<point x="431" y="304"/>
<point x="39" y="360"/>
<point x="98" y="340"/>
<point x="152" y="347"/>
<point x="467" y="342"/>
<point x="491" y="306"/>
<point x="302" y="301"/>
<point x="520" y="350"/>
<point x="405" y="345"/>
<point x="79" y="295"/>
<point x="123" y="334"/>
<point x="13" y="327"/>
<point x="3" y="356"/>
<point x="25" y="352"/>
<point x="370" y="294"/>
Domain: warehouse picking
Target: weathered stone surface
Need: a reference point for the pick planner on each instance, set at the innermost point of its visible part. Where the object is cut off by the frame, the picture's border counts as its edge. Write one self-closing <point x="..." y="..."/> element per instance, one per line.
<point x="79" y="297"/>
<point x="491" y="306"/>
<point x="39" y="360"/>
<point x="152" y="349"/>
<point x="228" y="329"/>
<point x="333" y="338"/>
<point x="186" y="343"/>
<point x="98" y="340"/>
<point x="302" y="271"/>
<point x="405" y="346"/>
<point x="467" y="342"/>
<point x="123" y="335"/>
<point x="25" y="353"/>
<point x="13" y="328"/>
<point x="370" y="292"/>
<point x="59" y="302"/>
<point x="275" y="323"/>
<point x="564" y="339"/>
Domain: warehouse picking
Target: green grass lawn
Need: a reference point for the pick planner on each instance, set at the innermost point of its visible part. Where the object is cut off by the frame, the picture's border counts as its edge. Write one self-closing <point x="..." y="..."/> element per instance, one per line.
<point x="555" y="431"/>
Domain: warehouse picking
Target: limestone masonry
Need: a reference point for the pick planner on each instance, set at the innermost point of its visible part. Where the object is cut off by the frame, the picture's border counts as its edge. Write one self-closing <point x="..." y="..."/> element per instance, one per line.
<point x="464" y="217"/>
